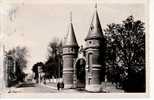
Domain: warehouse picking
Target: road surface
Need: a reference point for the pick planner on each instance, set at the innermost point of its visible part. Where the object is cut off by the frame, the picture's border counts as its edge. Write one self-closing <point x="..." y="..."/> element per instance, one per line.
<point x="31" y="88"/>
<point x="41" y="88"/>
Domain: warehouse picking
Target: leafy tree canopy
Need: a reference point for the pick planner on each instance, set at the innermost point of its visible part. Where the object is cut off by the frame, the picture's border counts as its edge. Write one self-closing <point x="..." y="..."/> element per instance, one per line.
<point x="125" y="48"/>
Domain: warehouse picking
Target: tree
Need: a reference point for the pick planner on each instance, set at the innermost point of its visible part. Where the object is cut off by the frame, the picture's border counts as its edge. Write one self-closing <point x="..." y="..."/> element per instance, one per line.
<point x="35" y="69"/>
<point x="53" y="65"/>
<point x="19" y="61"/>
<point x="125" y="51"/>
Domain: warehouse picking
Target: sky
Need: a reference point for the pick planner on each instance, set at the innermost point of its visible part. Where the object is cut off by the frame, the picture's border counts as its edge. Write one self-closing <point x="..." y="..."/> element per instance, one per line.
<point x="34" y="24"/>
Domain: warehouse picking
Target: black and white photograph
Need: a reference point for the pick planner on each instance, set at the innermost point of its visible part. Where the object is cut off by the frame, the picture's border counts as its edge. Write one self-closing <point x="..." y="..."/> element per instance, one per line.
<point x="79" y="47"/>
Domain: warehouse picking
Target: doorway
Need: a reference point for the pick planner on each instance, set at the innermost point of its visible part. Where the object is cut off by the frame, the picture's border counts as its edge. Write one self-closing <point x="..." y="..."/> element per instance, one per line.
<point x="80" y="73"/>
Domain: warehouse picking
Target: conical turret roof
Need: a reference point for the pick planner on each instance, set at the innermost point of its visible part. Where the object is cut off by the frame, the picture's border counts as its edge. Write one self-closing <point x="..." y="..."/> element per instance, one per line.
<point x="70" y="39"/>
<point x="95" y="30"/>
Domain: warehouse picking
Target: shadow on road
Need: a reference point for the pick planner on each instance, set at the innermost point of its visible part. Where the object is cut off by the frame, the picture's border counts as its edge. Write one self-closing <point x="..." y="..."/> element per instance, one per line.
<point x="25" y="84"/>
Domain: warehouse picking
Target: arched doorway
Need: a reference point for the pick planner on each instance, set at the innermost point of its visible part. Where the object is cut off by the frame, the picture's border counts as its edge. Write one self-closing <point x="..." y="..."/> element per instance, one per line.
<point x="80" y="73"/>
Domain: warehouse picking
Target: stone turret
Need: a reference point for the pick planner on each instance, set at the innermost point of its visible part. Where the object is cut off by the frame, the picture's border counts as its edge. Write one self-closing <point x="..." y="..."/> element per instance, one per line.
<point x="94" y="75"/>
<point x="70" y="50"/>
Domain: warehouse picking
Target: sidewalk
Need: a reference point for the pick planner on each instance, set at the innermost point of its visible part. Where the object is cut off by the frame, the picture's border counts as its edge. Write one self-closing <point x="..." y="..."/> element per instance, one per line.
<point x="107" y="88"/>
<point x="54" y="86"/>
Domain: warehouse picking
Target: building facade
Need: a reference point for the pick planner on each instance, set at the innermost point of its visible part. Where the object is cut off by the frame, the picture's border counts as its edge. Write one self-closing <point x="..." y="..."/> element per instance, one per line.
<point x="2" y="68"/>
<point x="94" y="68"/>
<point x="94" y="74"/>
<point x="70" y="50"/>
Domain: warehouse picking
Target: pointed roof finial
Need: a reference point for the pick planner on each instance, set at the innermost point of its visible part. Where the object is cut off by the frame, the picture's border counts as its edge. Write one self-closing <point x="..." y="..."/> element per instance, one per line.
<point x="95" y="30"/>
<point x="71" y="17"/>
<point x="70" y="39"/>
<point x="96" y="5"/>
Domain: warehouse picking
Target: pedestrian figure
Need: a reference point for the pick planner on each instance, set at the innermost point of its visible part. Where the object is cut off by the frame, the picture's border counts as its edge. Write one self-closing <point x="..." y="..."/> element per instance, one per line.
<point x="62" y="85"/>
<point x="58" y="86"/>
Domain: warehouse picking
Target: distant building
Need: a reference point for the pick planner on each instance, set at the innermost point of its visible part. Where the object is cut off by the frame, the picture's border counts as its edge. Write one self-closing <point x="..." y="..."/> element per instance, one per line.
<point x="2" y="68"/>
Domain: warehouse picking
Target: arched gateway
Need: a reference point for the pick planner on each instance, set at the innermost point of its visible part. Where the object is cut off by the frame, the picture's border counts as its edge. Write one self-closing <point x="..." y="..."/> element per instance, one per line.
<point x="83" y="68"/>
<point x="80" y="66"/>
<point x="80" y="69"/>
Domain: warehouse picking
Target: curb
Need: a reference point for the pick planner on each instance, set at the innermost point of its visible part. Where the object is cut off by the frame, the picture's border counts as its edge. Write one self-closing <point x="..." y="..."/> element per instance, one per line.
<point x="49" y="86"/>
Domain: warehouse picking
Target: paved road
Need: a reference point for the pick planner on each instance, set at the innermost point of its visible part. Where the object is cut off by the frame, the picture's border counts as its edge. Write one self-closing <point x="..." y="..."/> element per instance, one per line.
<point x="41" y="88"/>
<point x="32" y="88"/>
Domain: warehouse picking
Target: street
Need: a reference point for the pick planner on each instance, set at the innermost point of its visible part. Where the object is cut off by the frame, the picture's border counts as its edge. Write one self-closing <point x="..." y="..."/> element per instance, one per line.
<point x="31" y="88"/>
<point x="39" y="88"/>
